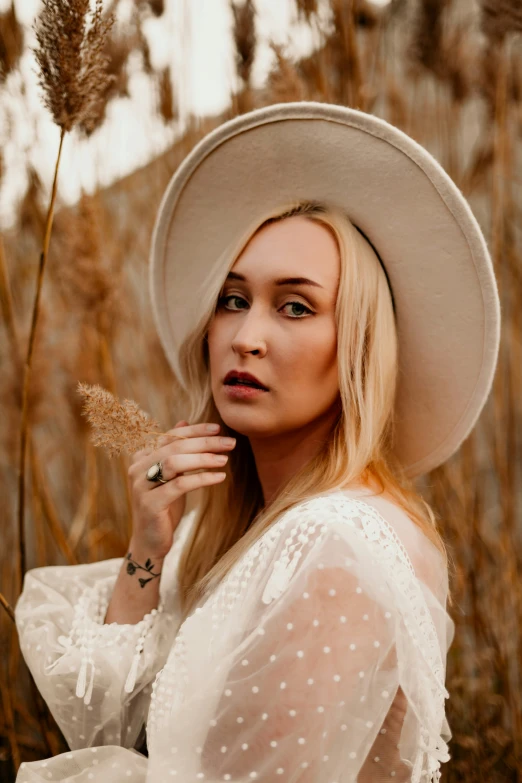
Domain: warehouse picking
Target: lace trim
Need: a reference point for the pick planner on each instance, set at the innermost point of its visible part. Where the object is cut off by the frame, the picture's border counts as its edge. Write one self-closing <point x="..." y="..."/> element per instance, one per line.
<point x="89" y="632"/>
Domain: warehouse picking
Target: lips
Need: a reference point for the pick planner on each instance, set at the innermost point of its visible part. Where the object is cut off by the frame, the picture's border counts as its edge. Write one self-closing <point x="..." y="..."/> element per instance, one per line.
<point x="238" y="378"/>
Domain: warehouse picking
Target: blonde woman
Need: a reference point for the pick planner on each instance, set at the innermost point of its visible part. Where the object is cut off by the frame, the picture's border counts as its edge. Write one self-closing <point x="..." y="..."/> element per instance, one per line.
<point x="325" y="296"/>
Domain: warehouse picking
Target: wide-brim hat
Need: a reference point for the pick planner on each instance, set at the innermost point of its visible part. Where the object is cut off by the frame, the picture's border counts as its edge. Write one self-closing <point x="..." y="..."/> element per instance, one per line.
<point x="433" y="250"/>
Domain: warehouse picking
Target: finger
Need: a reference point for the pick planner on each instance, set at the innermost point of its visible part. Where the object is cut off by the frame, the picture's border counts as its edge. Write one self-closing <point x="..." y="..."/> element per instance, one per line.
<point x="184" y="432"/>
<point x="167" y="493"/>
<point x="138" y="455"/>
<point x="174" y="464"/>
<point x="189" y="445"/>
<point x="168" y="437"/>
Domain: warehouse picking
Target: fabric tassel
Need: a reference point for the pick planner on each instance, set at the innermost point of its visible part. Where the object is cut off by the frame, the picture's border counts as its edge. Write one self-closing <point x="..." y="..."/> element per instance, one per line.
<point x="82" y="678"/>
<point x="131" y="679"/>
<point x="87" y="699"/>
<point x="279" y="578"/>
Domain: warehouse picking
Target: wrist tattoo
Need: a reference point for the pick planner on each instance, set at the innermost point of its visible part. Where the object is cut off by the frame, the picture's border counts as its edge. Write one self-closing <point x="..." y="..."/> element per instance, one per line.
<point x="133" y="566"/>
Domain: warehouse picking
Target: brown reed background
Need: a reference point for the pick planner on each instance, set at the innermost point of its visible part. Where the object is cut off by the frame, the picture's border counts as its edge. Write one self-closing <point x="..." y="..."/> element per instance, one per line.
<point x="449" y="73"/>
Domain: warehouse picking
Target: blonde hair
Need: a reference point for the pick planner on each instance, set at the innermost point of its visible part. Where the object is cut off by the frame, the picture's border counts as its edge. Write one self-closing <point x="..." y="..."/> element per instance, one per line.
<point x="230" y="516"/>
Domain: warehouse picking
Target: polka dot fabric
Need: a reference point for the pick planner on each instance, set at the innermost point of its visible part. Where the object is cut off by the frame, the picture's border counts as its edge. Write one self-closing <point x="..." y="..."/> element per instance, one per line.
<point x="319" y="659"/>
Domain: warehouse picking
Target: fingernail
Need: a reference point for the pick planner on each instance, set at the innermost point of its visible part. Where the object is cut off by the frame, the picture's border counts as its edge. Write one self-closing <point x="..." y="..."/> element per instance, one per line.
<point x="212" y="427"/>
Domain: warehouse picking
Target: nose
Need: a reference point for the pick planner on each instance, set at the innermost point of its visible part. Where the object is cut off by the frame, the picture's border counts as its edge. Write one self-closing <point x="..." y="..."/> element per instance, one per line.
<point x="249" y="335"/>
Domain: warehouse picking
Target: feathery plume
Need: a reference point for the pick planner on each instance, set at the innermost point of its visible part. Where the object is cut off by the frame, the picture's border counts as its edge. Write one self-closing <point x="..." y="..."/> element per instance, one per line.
<point x="306" y="9"/>
<point x="117" y="426"/>
<point x="72" y="63"/>
<point x="284" y="83"/>
<point x="166" y="102"/>
<point x="157" y="7"/>
<point x="143" y="44"/>
<point x="84" y="270"/>
<point x="244" y="33"/>
<point x="499" y="17"/>
<point x="11" y="42"/>
<point x="31" y="213"/>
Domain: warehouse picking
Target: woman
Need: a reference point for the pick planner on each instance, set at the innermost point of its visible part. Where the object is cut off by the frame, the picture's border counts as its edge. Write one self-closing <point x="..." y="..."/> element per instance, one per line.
<point x="293" y="626"/>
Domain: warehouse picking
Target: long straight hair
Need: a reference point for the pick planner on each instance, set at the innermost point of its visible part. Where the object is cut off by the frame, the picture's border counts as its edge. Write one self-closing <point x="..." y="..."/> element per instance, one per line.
<point x="230" y="516"/>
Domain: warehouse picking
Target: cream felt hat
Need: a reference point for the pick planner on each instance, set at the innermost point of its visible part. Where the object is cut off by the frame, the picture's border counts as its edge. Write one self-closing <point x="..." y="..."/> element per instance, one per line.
<point x="432" y="248"/>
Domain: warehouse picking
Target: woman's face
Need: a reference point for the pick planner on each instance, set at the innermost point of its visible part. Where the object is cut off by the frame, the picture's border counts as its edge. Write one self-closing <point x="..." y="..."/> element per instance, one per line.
<point x="291" y="326"/>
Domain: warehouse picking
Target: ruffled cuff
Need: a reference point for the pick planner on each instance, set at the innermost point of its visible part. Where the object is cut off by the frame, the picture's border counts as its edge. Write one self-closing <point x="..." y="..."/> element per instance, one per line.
<point x="89" y="633"/>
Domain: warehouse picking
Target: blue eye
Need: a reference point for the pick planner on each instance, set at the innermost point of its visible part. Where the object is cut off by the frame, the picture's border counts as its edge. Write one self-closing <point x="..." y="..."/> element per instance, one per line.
<point x="224" y="299"/>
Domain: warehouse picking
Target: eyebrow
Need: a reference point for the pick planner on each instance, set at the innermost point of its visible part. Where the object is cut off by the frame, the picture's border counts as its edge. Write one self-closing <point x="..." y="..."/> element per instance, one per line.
<point x="279" y="280"/>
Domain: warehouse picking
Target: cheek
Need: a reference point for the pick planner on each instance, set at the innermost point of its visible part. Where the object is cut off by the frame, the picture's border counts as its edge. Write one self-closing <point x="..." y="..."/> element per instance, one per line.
<point x="214" y="339"/>
<point x="316" y="354"/>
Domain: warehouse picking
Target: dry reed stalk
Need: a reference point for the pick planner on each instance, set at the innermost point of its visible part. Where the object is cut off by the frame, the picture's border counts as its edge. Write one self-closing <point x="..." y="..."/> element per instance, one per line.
<point x="51" y="512"/>
<point x="52" y="744"/>
<point x="244" y="36"/>
<point x="283" y="82"/>
<point x="371" y="65"/>
<point x="306" y="9"/>
<point x="86" y="272"/>
<point x="110" y="375"/>
<point x="511" y="610"/>
<point x="93" y="518"/>
<point x="397" y="105"/>
<point x="27" y="375"/>
<point x="28" y="719"/>
<point x="354" y="59"/>
<point x="157" y="7"/>
<point x="26" y="741"/>
<point x="10" y="728"/>
<point x="167" y="103"/>
<point x="7" y="606"/>
<point x="72" y="75"/>
<point x="31" y="215"/>
<point x="485" y="648"/>
<point x="312" y="71"/>
<point x="482" y="158"/>
<point x="499" y="17"/>
<point x="450" y="112"/>
<point x="87" y="500"/>
<point x="11" y="42"/>
<point x="345" y="50"/>
<point x="143" y="45"/>
<point x="117" y="52"/>
<point x="245" y="42"/>
<point x="48" y="510"/>
<point x="6" y="302"/>
<point x="38" y="521"/>
<point x="427" y="45"/>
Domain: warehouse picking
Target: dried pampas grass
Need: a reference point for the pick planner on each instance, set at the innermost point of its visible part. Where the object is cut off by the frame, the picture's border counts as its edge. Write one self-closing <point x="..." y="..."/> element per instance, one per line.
<point x="11" y="42"/>
<point x="244" y="33"/>
<point x="118" y="426"/>
<point x="72" y="61"/>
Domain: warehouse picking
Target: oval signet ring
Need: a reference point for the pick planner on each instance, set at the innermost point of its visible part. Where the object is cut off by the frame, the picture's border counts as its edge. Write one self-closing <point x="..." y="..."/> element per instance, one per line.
<point x="154" y="473"/>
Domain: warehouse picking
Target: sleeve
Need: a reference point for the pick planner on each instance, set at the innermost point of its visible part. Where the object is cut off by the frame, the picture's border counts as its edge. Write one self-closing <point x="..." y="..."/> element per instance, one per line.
<point x="314" y="688"/>
<point x="310" y="690"/>
<point x="95" y="677"/>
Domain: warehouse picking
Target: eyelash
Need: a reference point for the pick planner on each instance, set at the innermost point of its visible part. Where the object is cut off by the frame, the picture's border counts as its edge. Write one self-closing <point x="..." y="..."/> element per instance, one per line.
<point x="223" y="299"/>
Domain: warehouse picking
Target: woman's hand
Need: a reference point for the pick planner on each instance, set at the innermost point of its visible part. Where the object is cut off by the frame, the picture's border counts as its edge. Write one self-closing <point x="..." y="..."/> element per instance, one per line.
<point x="157" y="508"/>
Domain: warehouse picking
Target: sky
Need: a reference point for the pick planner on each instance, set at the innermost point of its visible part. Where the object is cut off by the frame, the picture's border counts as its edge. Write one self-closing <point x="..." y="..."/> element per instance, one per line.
<point x="193" y="37"/>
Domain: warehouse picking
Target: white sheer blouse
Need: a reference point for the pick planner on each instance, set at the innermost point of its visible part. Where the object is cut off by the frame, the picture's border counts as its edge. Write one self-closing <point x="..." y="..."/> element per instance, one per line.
<point x="321" y="658"/>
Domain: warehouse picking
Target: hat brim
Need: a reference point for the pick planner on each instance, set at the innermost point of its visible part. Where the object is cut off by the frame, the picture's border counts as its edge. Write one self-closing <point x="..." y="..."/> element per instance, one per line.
<point x="434" y="252"/>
